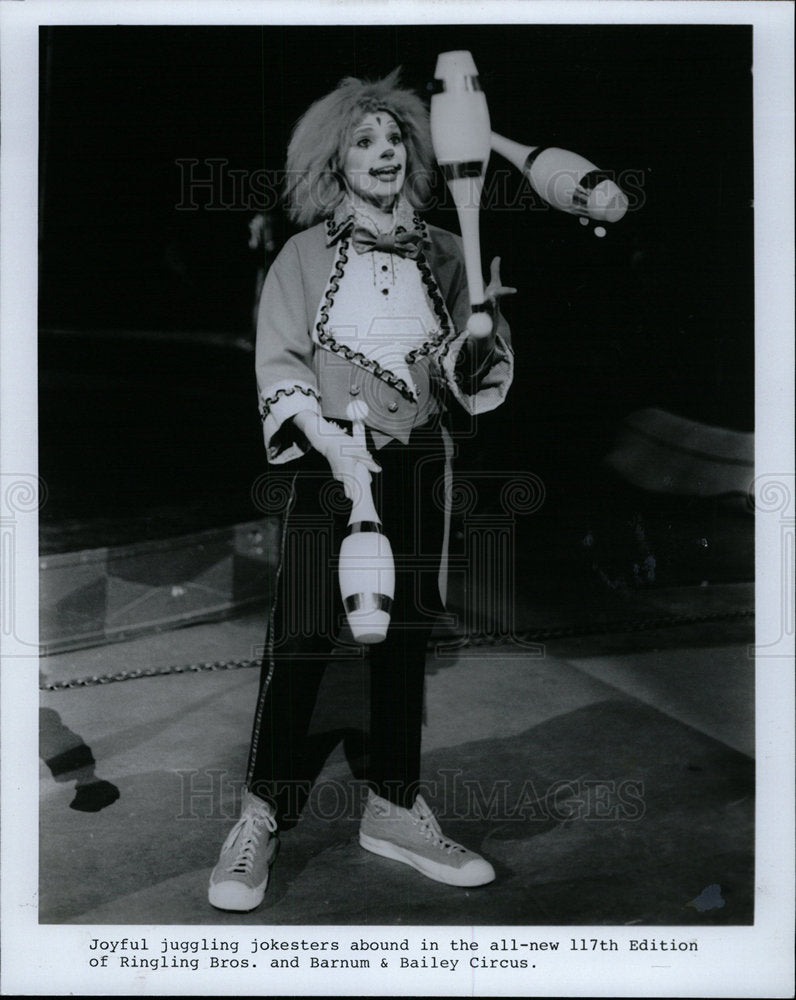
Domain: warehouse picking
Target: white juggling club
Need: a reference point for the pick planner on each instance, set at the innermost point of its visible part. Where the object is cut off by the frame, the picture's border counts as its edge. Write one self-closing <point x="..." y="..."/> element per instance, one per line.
<point x="461" y="136"/>
<point x="366" y="566"/>
<point x="565" y="180"/>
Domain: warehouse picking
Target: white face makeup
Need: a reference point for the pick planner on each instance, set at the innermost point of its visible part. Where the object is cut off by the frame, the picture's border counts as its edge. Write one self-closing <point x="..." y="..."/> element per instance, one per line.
<point x="375" y="163"/>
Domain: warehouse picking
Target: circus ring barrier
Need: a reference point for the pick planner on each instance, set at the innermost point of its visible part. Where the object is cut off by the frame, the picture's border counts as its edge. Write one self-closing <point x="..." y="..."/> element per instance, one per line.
<point x="109" y="594"/>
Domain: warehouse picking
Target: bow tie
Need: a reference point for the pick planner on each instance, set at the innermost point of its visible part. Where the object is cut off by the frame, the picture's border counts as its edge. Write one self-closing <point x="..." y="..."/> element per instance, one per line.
<point x="405" y="244"/>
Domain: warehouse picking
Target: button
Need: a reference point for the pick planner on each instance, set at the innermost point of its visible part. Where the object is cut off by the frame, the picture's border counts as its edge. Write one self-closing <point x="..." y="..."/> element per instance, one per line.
<point x="385" y="291"/>
<point x="384" y="267"/>
<point x="354" y="390"/>
<point x="392" y="407"/>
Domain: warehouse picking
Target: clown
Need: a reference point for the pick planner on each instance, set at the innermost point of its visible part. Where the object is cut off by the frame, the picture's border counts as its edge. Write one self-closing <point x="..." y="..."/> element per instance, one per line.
<point x="367" y="304"/>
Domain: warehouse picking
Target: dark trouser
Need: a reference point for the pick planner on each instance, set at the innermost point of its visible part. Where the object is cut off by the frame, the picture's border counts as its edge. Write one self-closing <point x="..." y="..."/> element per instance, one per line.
<point x="409" y="496"/>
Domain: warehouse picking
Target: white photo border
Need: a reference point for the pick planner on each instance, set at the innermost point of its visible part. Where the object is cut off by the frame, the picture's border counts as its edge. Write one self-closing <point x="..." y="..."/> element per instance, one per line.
<point x="733" y="961"/>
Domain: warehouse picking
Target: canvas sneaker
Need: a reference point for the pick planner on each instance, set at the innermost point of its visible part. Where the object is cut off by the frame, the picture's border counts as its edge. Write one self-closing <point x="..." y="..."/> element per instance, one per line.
<point x="413" y="836"/>
<point x="239" y="880"/>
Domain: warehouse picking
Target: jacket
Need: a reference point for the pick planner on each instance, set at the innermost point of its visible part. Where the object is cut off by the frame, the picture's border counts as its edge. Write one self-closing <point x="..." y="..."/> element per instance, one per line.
<point x="300" y="366"/>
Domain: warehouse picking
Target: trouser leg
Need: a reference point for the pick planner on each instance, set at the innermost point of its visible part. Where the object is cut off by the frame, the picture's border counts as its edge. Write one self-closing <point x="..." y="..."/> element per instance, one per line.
<point x="396" y="712"/>
<point x="288" y="694"/>
<point x="298" y="641"/>
<point x="290" y="683"/>
<point x="414" y="524"/>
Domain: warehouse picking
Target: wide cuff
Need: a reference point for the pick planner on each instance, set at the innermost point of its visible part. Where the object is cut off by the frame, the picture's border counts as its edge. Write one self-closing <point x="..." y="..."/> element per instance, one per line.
<point x="278" y="405"/>
<point x="485" y="388"/>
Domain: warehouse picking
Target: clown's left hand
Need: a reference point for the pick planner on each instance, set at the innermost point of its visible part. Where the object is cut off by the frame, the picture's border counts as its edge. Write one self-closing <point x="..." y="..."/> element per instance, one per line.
<point x="483" y="345"/>
<point x="496" y="289"/>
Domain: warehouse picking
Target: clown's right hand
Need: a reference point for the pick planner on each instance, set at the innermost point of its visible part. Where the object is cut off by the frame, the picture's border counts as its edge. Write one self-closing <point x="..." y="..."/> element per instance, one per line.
<point x="347" y="459"/>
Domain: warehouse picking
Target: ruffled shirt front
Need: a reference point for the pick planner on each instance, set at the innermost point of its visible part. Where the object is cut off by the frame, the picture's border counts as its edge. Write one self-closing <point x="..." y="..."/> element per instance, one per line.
<point x="381" y="308"/>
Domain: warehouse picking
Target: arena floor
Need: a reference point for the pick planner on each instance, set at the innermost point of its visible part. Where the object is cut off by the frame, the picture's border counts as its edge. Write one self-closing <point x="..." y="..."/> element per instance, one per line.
<point x="609" y="778"/>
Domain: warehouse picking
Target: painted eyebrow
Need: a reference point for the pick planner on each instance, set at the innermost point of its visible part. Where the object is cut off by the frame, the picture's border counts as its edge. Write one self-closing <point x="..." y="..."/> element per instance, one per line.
<point x="367" y="127"/>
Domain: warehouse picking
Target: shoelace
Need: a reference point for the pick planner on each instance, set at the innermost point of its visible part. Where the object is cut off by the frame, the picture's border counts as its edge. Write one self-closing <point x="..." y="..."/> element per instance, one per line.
<point x="248" y="830"/>
<point x="430" y="828"/>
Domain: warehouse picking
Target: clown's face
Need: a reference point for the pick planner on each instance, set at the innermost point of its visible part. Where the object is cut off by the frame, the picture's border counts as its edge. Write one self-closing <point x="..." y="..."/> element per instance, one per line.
<point x="374" y="165"/>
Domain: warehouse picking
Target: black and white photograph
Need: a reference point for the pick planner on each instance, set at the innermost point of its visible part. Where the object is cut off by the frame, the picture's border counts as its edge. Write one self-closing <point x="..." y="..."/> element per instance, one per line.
<point x="398" y="500"/>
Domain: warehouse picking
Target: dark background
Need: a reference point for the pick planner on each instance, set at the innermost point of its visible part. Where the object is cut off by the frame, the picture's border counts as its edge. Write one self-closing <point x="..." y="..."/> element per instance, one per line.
<point x="657" y="313"/>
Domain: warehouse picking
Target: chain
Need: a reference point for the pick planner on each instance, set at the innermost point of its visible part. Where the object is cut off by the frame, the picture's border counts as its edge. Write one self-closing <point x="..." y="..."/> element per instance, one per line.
<point x="474" y="639"/>
<point x="134" y="675"/>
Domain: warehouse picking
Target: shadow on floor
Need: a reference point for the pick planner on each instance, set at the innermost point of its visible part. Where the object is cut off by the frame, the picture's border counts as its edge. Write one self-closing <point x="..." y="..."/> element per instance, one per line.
<point x="69" y="759"/>
<point x="610" y="814"/>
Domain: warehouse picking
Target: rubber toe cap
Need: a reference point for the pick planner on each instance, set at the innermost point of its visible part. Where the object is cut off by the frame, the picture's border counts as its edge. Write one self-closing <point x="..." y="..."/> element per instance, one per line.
<point x="477" y="872"/>
<point x="235" y="896"/>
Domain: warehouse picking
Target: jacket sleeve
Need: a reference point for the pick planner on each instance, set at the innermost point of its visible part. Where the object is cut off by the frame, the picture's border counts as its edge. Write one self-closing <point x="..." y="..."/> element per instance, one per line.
<point x="478" y="376"/>
<point x="286" y="382"/>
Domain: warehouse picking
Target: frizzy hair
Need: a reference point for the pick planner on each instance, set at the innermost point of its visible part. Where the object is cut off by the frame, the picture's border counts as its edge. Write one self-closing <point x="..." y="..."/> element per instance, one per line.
<point x="314" y="184"/>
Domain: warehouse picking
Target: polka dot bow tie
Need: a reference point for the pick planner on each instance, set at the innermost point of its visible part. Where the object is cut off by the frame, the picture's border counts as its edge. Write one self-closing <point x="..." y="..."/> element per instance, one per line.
<point x="405" y="244"/>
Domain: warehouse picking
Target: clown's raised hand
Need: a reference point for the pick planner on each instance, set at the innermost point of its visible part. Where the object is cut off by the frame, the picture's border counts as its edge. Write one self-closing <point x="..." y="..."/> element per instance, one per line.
<point x="481" y="329"/>
<point x="496" y="289"/>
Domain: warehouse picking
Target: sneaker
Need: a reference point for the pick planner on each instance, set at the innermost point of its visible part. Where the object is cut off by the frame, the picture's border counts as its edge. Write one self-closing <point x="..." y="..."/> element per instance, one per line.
<point x="413" y="836"/>
<point x="239" y="880"/>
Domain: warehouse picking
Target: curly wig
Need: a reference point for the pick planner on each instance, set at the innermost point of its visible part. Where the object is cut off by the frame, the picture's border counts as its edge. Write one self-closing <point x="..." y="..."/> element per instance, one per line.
<point x="315" y="185"/>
